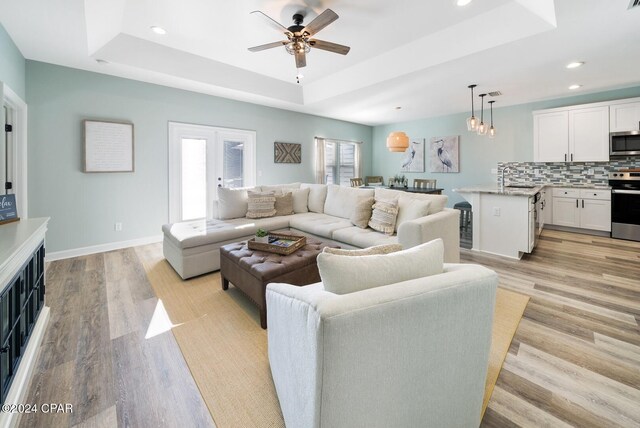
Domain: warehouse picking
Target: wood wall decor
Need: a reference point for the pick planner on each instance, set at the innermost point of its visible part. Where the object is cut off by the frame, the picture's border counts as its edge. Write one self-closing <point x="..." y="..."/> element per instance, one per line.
<point x="287" y="153"/>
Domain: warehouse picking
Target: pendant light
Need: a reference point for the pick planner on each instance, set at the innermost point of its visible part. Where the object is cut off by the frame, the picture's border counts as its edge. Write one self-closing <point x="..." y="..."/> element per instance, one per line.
<point x="482" y="128"/>
<point x="397" y="141"/>
<point x="472" y="122"/>
<point x="492" y="130"/>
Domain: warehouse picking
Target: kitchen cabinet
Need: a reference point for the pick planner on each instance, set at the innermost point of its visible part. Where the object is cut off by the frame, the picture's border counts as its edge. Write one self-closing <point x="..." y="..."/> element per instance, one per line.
<point x="589" y="134"/>
<point x="546" y="206"/>
<point x="582" y="208"/>
<point x="624" y="117"/>
<point x="574" y="134"/>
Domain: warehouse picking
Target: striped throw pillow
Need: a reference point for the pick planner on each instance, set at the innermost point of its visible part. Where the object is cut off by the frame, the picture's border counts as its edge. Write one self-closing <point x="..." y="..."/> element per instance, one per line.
<point x="261" y="205"/>
<point x="383" y="218"/>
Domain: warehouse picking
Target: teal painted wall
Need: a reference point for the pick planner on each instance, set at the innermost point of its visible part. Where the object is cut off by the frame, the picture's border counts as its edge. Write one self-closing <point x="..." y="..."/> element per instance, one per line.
<point x="478" y="155"/>
<point x="84" y="207"/>
<point x="12" y="64"/>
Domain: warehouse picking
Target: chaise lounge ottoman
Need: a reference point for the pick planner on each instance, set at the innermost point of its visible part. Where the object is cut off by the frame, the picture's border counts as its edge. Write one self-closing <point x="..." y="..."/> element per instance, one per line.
<point x="251" y="270"/>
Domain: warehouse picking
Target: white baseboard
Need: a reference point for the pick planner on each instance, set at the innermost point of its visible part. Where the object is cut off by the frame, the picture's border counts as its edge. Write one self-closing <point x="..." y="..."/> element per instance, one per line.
<point x="76" y="252"/>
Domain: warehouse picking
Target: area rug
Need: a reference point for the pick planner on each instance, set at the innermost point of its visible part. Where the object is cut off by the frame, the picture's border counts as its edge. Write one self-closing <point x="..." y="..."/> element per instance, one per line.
<point x="220" y="337"/>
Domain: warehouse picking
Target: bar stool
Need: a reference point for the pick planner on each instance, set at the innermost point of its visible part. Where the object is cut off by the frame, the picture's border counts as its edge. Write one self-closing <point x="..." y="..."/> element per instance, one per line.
<point x="465" y="213"/>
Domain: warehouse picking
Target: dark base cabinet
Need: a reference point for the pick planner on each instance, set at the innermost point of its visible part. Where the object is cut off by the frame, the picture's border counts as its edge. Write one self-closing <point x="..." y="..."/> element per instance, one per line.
<point x="20" y="305"/>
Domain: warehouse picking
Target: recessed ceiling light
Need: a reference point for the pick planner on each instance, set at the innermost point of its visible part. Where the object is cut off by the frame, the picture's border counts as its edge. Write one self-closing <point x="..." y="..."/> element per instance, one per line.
<point x="102" y="61"/>
<point x="574" y="87"/>
<point x="463" y="2"/>
<point x="575" y="64"/>
<point x="158" y="30"/>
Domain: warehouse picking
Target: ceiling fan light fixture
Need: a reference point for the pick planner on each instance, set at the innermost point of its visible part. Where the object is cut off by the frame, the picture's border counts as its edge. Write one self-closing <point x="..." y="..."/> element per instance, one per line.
<point x="397" y="141"/>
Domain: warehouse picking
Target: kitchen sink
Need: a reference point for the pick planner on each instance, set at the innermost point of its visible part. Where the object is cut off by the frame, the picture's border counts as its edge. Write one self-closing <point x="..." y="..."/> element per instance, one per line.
<point x="520" y="186"/>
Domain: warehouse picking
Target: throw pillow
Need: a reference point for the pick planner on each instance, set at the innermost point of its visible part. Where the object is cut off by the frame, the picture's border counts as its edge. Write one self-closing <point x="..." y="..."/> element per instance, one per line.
<point x="300" y="200"/>
<point x="284" y="204"/>
<point x="383" y="217"/>
<point x="279" y="189"/>
<point x="343" y="275"/>
<point x="411" y="209"/>
<point x="378" y="249"/>
<point x="362" y="212"/>
<point x="317" y="196"/>
<point x="261" y="204"/>
<point x="232" y="203"/>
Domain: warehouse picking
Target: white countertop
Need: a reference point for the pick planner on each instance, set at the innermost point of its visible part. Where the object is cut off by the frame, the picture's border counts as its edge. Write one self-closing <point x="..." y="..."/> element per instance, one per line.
<point x="518" y="191"/>
<point x="14" y="237"/>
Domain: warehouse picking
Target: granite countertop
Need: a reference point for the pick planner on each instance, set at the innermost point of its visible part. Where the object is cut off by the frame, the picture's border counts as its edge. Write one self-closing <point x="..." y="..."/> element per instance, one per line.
<point x="519" y="191"/>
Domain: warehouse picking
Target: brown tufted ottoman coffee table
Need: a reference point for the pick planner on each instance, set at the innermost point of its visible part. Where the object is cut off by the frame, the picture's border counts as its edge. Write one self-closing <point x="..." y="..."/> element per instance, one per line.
<point x="251" y="270"/>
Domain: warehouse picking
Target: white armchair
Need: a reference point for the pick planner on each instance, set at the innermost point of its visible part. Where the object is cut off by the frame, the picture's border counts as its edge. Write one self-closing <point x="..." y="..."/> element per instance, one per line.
<point x="408" y="354"/>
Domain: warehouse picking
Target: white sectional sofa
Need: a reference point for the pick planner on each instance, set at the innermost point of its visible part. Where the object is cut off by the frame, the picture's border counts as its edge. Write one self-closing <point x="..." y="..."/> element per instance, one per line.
<point x="193" y="247"/>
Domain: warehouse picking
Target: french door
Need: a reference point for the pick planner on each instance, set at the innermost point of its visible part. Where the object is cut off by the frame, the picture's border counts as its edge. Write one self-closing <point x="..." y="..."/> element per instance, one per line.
<point x="202" y="159"/>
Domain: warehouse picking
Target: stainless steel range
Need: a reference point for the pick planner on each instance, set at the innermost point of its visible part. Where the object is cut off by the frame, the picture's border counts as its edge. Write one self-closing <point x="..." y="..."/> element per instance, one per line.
<point x="625" y="204"/>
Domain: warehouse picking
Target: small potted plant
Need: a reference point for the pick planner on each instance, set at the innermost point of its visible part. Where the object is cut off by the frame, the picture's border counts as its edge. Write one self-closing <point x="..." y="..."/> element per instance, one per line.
<point x="262" y="236"/>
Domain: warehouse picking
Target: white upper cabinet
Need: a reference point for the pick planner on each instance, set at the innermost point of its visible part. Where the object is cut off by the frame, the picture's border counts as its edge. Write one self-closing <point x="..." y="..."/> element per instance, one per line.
<point x="625" y="117"/>
<point x="551" y="136"/>
<point x="571" y="135"/>
<point x="589" y="134"/>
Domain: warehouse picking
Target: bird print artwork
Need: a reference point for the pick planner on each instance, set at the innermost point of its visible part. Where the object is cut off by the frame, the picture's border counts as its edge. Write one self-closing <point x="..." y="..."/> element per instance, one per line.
<point x="413" y="160"/>
<point x="444" y="156"/>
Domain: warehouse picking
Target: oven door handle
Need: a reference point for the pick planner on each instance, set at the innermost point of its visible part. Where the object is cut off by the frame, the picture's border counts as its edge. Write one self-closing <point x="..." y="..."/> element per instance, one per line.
<point x="626" y="192"/>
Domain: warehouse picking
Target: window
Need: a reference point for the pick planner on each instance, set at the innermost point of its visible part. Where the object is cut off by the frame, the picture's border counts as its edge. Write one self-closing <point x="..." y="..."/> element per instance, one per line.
<point x="201" y="159"/>
<point x="341" y="161"/>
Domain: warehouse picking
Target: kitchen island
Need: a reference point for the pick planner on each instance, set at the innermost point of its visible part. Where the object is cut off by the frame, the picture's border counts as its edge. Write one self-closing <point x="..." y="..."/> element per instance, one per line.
<point x="506" y="220"/>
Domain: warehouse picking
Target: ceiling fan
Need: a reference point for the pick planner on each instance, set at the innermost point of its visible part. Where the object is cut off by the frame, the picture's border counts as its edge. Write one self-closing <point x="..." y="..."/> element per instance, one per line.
<point x="299" y="41"/>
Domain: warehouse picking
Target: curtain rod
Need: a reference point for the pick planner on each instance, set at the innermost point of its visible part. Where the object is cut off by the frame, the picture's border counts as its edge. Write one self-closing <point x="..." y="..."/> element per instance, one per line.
<point x="338" y="140"/>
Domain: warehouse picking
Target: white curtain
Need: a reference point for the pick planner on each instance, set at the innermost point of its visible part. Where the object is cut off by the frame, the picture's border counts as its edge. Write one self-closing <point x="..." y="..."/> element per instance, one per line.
<point x="357" y="160"/>
<point x="319" y="161"/>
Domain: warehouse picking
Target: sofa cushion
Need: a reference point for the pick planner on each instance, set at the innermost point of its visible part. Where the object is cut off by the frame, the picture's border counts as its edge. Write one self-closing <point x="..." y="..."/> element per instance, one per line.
<point x="341" y="200"/>
<point x="376" y="249"/>
<point x="411" y="209"/>
<point x="363" y="238"/>
<point x="383" y="217"/>
<point x="343" y="275"/>
<point x="261" y="204"/>
<point x="284" y="204"/>
<point x="362" y="212"/>
<point x="300" y="200"/>
<point x="438" y="202"/>
<point x="317" y="196"/>
<point x="279" y="189"/>
<point x="318" y="224"/>
<point x="232" y="203"/>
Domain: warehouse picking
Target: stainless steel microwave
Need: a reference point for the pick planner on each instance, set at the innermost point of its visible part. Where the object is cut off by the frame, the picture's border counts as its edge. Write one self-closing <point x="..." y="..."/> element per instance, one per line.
<point x="624" y="143"/>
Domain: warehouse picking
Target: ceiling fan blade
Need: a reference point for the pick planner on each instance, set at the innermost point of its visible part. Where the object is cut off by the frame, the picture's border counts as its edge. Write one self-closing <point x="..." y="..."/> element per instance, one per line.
<point x="272" y="22"/>
<point x="321" y="21"/>
<point x="301" y="60"/>
<point x="328" y="46"/>
<point x="268" y="46"/>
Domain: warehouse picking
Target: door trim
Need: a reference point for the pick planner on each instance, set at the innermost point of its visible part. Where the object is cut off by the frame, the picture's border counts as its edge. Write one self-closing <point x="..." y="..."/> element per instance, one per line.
<point x="19" y="120"/>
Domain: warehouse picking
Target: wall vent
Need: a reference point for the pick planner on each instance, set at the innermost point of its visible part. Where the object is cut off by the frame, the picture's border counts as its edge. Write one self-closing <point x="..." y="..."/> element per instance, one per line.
<point x="498" y="93"/>
<point x="633" y="3"/>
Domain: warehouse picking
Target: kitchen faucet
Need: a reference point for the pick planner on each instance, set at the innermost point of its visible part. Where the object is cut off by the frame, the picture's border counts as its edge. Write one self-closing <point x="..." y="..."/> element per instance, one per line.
<point x="504" y="169"/>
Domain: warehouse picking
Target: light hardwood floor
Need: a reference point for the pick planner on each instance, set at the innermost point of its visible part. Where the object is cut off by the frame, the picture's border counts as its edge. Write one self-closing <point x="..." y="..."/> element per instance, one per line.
<point x="574" y="361"/>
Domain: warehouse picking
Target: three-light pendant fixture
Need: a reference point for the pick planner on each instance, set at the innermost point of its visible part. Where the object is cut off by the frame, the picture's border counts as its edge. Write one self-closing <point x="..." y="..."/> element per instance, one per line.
<point x="472" y="122"/>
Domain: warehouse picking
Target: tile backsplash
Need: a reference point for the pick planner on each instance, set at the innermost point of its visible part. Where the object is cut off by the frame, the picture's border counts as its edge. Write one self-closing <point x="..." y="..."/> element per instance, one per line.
<point x="595" y="173"/>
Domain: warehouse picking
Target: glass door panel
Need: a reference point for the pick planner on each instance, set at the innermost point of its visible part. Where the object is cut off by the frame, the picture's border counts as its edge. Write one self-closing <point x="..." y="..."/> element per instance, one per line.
<point x="233" y="164"/>
<point x="194" y="178"/>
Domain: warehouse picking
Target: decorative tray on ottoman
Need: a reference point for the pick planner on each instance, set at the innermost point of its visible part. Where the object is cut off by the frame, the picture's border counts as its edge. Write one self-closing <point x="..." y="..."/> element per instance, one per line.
<point x="279" y="243"/>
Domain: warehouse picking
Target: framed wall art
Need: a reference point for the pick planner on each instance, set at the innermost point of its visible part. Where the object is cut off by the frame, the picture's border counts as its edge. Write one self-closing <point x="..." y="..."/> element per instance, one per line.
<point x="413" y="160"/>
<point x="287" y="152"/>
<point x="444" y="155"/>
<point x="108" y="146"/>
